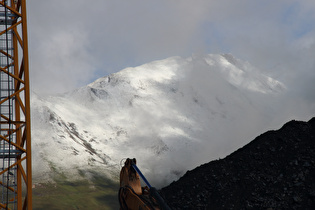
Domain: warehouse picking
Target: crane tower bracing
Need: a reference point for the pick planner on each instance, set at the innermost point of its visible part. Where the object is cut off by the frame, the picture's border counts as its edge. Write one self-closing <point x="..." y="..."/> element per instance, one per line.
<point x="15" y="131"/>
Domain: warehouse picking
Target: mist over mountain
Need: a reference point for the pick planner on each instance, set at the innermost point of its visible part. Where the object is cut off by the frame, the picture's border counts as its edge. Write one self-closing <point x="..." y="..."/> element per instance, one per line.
<point x="172" y="115"/>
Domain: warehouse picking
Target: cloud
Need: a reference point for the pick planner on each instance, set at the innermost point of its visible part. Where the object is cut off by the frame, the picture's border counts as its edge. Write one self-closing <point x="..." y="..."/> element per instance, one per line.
<point x="76" y="42"/>
<point x="59" y="55"/>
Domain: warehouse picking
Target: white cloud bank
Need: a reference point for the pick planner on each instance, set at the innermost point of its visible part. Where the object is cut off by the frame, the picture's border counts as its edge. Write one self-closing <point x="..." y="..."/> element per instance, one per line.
<point x="74" y="42"/>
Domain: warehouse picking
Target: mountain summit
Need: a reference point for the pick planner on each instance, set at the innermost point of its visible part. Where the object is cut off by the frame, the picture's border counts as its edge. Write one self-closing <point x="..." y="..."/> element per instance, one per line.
<point x="171" y="115"/>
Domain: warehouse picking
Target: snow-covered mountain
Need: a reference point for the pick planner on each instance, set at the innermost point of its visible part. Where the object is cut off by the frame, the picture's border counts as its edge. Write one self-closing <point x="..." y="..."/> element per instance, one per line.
<point x="172" y="115"/>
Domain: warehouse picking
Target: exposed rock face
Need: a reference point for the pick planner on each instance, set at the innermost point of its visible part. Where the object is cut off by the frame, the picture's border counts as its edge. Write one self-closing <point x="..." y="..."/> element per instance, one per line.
<point x="274" y="171"/>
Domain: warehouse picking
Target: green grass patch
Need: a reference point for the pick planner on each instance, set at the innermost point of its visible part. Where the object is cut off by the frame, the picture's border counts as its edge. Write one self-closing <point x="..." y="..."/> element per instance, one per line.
<point x="96" y="193"/>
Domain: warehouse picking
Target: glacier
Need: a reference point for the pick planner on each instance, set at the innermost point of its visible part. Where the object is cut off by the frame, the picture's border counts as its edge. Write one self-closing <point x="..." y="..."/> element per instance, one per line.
<point x="172" y="115"/>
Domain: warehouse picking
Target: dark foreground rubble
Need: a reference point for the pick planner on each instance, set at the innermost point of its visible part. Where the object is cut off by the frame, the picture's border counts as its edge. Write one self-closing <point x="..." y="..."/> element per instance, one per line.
<point x="274" y="171"/>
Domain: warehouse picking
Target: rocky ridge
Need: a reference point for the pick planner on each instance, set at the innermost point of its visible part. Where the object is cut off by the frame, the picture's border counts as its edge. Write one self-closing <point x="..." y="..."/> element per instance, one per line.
<point x="274" y="171"/>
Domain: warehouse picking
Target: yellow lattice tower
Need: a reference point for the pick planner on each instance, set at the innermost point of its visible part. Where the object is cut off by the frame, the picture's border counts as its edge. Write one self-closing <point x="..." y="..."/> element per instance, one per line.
<point x="15" y="130"/>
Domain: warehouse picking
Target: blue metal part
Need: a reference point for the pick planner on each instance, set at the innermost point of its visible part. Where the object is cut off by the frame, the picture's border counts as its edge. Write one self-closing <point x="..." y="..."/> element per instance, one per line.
<point x="142" y="176"/>
<point x="153" y="192"/>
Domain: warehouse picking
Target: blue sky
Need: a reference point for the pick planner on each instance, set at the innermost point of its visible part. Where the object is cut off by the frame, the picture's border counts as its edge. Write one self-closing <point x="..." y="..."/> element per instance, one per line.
<point x="72" y="43"/>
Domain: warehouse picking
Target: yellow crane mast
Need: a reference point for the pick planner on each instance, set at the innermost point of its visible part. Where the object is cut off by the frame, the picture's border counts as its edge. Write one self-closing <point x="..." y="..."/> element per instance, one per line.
<point x="15" y="130"/>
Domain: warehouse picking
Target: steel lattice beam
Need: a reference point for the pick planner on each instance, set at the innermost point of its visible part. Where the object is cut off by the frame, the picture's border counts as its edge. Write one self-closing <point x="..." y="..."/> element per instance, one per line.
<point x="15" y="130"/>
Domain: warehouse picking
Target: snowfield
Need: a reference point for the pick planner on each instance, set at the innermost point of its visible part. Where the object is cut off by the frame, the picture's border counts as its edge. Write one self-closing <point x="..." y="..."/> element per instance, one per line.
<point x="172" y="115"/>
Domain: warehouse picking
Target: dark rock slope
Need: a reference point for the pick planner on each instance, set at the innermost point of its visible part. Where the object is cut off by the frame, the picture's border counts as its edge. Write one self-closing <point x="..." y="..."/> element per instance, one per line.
<point x="274" y="171"/>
